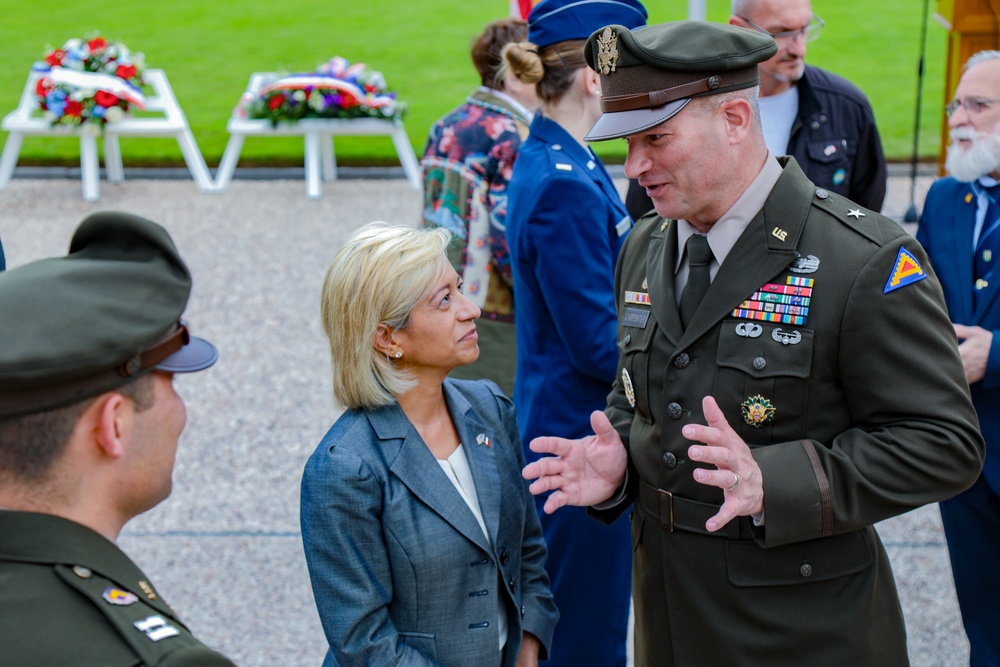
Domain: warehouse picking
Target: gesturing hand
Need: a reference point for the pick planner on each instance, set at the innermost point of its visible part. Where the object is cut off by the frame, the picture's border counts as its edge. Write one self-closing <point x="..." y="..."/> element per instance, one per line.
<point x="581" y="472"/>
<point x="738" y="474"/>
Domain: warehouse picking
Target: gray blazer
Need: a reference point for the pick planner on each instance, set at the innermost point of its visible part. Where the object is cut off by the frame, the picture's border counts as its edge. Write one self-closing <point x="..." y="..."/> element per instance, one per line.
<point x="400" y="568"/>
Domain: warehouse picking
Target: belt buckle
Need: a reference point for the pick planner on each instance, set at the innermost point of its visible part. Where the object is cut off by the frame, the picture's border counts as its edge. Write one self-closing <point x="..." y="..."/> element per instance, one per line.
<point x="659" y="508"/>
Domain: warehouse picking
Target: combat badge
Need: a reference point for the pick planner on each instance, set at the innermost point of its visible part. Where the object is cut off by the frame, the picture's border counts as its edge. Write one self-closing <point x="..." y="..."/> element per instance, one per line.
<point x="629" y="391"/>
<point x="807" y="264"/>
<point x="119" y="597"/>
<point x="786" y="338"/>
<point x="905" y="271"/>
<point x="757" y="411"/>
<point x="607" y="51"/>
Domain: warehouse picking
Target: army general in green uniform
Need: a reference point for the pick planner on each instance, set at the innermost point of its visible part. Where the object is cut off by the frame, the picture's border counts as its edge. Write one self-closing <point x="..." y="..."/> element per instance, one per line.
<point x="89" y="423"/>
<point x="788" y="377"/>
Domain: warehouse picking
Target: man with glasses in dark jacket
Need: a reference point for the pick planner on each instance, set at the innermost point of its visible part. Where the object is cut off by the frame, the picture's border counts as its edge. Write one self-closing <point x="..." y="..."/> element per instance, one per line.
<point x="823" y="120"/>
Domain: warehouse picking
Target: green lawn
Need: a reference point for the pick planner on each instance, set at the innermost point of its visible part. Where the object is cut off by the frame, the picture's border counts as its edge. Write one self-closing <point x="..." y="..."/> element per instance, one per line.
<point x="208" y="51"/>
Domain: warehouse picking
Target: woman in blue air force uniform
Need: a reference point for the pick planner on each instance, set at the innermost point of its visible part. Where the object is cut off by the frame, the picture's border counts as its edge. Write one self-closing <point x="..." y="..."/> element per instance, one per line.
<point x="565" y="225"/>
<point x="422" y="540"/>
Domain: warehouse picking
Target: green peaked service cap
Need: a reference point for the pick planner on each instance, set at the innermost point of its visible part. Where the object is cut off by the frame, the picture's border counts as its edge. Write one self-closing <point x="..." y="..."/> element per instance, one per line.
<point x="649" y="74"/>
<point x="76" y="326"/>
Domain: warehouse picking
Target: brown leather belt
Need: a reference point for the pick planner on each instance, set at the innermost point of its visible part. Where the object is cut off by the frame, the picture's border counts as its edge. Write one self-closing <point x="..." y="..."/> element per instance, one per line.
<point x="690" y="516"/>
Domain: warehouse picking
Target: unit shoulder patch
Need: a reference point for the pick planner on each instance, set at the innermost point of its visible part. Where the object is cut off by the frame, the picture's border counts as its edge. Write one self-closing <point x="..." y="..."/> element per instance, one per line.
<point x="906" y="271"/>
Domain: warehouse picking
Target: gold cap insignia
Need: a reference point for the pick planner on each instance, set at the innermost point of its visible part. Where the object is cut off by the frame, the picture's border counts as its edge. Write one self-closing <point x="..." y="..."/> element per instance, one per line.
<point x="607" y="51"/>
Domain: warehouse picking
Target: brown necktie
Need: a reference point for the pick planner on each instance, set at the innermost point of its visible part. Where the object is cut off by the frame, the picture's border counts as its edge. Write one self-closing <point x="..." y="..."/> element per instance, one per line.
<point x="699" y="256"/>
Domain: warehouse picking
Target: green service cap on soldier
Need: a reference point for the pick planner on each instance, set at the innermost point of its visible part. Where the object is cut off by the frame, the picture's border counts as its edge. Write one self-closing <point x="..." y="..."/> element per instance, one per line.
<point x="77" y="326"/>
<point x="649" y="74"/>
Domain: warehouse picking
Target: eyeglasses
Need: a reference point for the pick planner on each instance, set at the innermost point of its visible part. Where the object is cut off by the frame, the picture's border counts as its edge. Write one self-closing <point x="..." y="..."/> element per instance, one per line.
<point x="973" y="105"/>
<point x="810" y="33"/>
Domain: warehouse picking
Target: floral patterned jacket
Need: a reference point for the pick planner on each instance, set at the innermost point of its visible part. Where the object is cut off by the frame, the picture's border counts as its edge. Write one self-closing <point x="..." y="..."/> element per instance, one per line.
<point x="466" y="165"/>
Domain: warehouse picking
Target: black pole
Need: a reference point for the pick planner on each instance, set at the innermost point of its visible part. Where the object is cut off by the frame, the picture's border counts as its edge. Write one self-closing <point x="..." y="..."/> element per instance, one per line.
<point x="911" y="212"/>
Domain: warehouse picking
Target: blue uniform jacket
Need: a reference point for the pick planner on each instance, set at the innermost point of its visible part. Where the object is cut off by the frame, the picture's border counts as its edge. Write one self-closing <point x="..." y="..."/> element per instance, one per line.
<point x="401" y="570"/>
<point x="565" y="225"/>
<point x="946" y="228"/>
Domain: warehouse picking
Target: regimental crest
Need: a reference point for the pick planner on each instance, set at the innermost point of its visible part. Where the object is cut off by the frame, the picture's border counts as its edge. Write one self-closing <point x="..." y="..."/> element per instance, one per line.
<point x="119" y="597"/>
<point x="607" y="51"/>
<point x="757" y="411"/>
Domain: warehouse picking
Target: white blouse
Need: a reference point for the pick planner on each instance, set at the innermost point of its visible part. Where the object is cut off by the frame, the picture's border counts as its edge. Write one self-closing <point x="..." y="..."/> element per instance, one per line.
<point x="457" y="468"/>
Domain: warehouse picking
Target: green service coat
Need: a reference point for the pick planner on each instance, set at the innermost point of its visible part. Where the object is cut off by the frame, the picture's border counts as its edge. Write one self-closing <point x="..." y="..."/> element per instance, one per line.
<point x="857" y="413"/>
<point x="69" y="596"/>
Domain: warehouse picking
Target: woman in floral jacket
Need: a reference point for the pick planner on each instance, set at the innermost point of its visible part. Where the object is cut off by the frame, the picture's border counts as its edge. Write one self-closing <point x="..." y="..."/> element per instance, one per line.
<point x="467" y="163"/>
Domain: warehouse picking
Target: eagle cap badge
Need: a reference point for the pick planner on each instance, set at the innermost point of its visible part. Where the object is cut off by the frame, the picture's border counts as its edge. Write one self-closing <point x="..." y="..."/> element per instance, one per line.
<point x="607" y="51"/>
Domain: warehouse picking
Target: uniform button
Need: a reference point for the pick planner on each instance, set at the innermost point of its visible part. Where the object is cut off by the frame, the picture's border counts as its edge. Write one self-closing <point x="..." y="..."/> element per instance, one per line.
<point x="670" y="460"/>
<point x="674" y="411"/>
<point x="822" y="194"/>
<point x="556" y="147"/>
<point x="628" y="338"/>
<point x="823" y="118"/>
<point x="806" y="570"/>
<point x="82" y="572"/>
<point x="504" y="557"/>
<point x="682" y="360"/>
<point x="513" y="586"/>
<point x="522" y="611"/>
<point x="814" y="125"/>
<point x="759" y="363"/>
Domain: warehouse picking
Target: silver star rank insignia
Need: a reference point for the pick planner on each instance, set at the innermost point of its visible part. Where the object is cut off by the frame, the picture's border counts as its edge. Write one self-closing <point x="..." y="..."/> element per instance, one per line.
<point x="856" y="212"/>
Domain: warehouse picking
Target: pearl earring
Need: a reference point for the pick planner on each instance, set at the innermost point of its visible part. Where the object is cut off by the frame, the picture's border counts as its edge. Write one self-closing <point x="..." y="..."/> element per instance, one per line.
<point x="398" y="354"/>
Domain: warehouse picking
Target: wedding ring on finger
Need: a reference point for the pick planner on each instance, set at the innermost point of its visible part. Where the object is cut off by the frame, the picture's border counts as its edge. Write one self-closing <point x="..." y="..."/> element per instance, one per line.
<point x="736" y="480"/>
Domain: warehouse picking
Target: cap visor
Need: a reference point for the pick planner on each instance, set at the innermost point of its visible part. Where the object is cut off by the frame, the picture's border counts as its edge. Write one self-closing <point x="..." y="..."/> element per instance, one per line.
<point x="623" y="123"/>
<point x="197" y="355"/>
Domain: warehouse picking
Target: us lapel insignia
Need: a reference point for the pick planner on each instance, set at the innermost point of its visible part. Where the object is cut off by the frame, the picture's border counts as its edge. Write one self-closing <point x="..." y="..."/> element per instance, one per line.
<point x="757" y="411"/>
<point x="779" y="234"/>
<point x="627" y="384"/>
<point x="607" y="51"/>
<point x="119" y="597"/>
<point x="483" y="439"/>
<point x="906" y="271"/>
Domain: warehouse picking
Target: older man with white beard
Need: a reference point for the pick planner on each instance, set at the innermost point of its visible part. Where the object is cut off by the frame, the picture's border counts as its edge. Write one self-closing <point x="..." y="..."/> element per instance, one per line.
<point x="960" y="229"/>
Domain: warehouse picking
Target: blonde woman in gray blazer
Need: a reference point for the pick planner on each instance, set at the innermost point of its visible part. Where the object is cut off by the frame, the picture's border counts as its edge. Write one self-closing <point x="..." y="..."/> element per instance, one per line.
<point x="422" y="540"/>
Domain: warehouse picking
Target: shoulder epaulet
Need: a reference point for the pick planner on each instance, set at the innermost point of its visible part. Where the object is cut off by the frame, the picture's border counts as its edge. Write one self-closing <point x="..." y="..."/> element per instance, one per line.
<point x="138" y="617"/>
<point x="864" y="221"/>
<point x="560" y="161"/>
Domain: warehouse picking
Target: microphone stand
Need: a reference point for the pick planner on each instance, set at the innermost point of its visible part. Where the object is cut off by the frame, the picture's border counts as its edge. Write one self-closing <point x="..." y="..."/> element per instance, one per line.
<point x="911" y="212"/>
